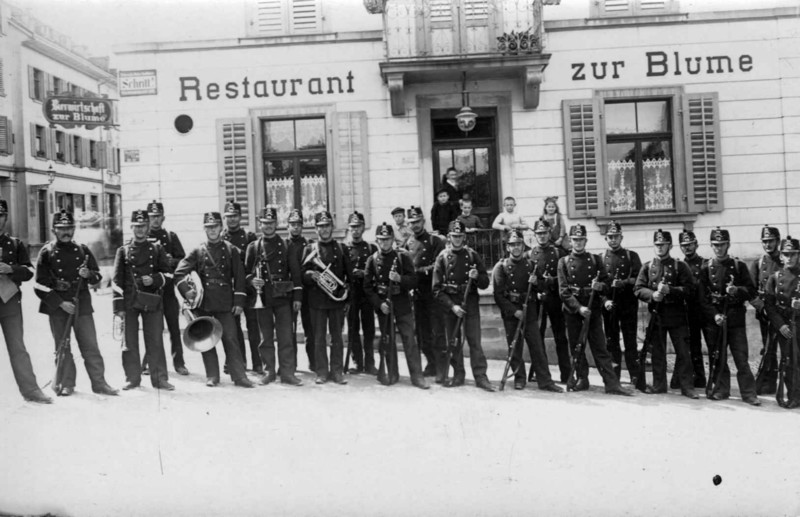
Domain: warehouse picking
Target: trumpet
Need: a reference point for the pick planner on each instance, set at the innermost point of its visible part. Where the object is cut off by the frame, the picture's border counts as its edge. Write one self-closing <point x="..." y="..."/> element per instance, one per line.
<point x="327" y="281"/>
<point x="118" y="331"/>
<point x="258" y="304"/>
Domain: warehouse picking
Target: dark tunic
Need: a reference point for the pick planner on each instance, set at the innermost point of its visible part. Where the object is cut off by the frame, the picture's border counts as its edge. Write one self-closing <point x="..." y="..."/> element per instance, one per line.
<point x="279" y="268"/>
<point x="57" y="276"/>
<point x="133" y="261"/>
<point x="221" y="272"/>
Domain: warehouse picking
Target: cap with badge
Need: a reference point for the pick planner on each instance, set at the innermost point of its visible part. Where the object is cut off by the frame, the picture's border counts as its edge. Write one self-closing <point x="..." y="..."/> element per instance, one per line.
<point x="155" y="208"/>
<point x="720" y="236"/>
<point x="384" y="231"/>
<point x="414" y="214"/>
<point x="456" y="228"/>
<point x="577" y="231"/>
<point x="63" y="219"/>
<point x="212" y="219"/>
<point x="662" y="237"/>
<point x="398" y="210"/>
<point x="687" y="237"/>
<point x="140" y="217"/>
<point x="541" y="226"/>
<point x="770" y="232"/>
<point x="322" y="218"/>
<point x="355" y="219"/>
<point x="295" y="216"/>
<point x="614" y="228"/>
<point x="233" y="208"/>
<point x="789" y="245"/>
<point x="515" y="236"/>
<point x="268" y="215"/>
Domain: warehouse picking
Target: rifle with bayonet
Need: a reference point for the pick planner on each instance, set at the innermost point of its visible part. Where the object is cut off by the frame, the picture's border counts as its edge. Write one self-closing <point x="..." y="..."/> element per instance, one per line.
<point x="719" y="356"/>
<point x="455" y="338"/>
<point x="580" y="346"/>
<point x="782" y="374"/>
<point x="519" y="334"/>
<point x="769" y="349"/>
<point x="388" y="343"/>
<point x="64" y="343"/>
<point x="653" y="328"/>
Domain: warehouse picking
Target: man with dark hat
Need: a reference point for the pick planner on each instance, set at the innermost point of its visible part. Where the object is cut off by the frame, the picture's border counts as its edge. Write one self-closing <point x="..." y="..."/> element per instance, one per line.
<point x="545" y="256"/>
<point x="327" y="256"/>
<point x="760" y="270"/>
<point x="388" y="280"/>
<point x="580" y="273"/>
<point x="172" y="247"/>
<point x="403" y="232"/>
<point x="457" y="268"/>
<point x="61" y="264"/>
<point x="782" y="302"/>
<point x="424" y="247"/>
<point x="725" y="283"/>
<point x="620" y="306"/>
<point x="444" y="211"/>
<point x="221" y="272"/>
<point x="15" y="268"/>
<point x="664" y="283"/>
<point x="514" y="278"/>
<point x="697" y="326"/>
<point x="296" y="243"/>
<point x="360" y="313"/>
<point x="241" y="238"/>
<point x="274" y="276"/>
<point x="139" y="269"/>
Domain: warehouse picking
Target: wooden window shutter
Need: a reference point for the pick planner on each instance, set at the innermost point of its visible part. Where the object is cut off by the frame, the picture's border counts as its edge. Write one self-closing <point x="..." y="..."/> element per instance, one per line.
<point x="67" y="149"/>
<point x="235" y="157"/>
<point x="102" y="155"/>
<point x="31" y="83"/>
<point x="583" y="158"/>
<point x="5" y="135"/>
<point x="616" y="7"/>
<point x="33" y="139"/>
<point x="305" y="16"/>
<point x="2" y="84"/>
<point x="86" y="156"/>
<point x="269" y="17"/>
<point x="50" y="143"/>
<point x="48" y="85"/>
<point x="351" y="176"/>
<point x="703" y="152"/>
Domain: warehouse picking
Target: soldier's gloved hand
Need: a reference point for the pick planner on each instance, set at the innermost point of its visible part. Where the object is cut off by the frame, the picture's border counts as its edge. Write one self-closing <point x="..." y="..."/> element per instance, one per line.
<point x="258" y="283"/>
<point x="147" y="280"/>
<point x="237" y="311"/>
<point x="657" y="296"/>
<point x="394" y="276"/>
<point x="618" y="284"/>
<point x="473" y="274"/>
<point x="796" y="304"/>
<point x="785" y="331"/>
<point x="663" y="288"/>
<point x="84" y="272"/>
<point x="719" y="319"/>
<point x="5" y="269"/>
<point x="190" y="295"/>
<point x="458" y="311"/>
<point x="67" y="307"/>
<point x="541" y="296"/>
<point x="518" y="315"/>
<point x="385" y="308"/>
<point x="120" y="314"/>
<point x="609" y="305"/>
<point x="358" y="273"/>
<point x="597" y="286"/>
<point x="730" y="290"/>
<point x="757" y="303"/>
<point x="296" y="306"/>
<point x="533" y="280"/>
<point x="585" y="312"/>
<point x="314" y="275"/>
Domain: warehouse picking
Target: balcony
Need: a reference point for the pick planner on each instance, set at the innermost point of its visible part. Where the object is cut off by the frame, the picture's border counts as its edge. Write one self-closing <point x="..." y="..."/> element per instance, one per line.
<point x="439" y="40"/>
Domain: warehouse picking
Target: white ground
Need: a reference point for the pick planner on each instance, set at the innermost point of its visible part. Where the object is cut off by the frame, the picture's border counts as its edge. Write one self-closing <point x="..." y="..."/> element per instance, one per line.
<point x="363" y="449"/>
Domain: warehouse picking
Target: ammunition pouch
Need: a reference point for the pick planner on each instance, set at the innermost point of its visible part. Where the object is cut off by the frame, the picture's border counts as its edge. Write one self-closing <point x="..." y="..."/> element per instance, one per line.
<point x="454" y="289"/>
<point x="516" y="297"/>
<point x="386" y="290"/>
<point x="62" y="285"/>
<point x="282" y="287"/>
<point x="146" y="302"/>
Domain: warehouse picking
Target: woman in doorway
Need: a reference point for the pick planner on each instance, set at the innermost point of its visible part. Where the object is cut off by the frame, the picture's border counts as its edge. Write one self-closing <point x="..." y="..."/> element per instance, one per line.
<point x="552" y="214"/>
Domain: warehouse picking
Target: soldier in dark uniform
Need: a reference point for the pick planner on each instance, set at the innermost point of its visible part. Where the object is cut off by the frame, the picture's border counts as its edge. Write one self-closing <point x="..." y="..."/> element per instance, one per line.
<point x="389" y="276"/>
<point x="620" y="306"/>
<point x="139" y="267"/>
<point x="760" y="270"/>
<point x="511" y="278"/>
<point x="274" y="274"/>
<point x="782" y="301"/>
<point x="61" y="262"/>
<point x="697" y="326"/>
<point x="15" y="268"/>
<point x="220" y="269"/>
<point x="424" y="247"/>
<point x="664" y="283"/>
<point x="453" y="269"/>
<point x="360" y="314"/>
<point x="326" y="312"/>
<point x="726" y="279"/>
<point x="296" y="244"/>
<point x="579" y="273"/>
<point x="545" y="256"/>
<point x="241" y="238"/>
<point x="174" y="251"/>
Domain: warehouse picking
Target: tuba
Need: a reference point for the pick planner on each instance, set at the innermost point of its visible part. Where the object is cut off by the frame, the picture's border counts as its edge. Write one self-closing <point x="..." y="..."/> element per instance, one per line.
<point x="202" y="333"/>
<point x="327" y="281"/>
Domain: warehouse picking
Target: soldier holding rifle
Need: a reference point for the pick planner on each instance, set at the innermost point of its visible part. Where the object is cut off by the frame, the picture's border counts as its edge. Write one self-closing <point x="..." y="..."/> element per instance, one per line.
<point x="360" y="314"/>
<point x="579" y="273"/>
<point x="274" y="275"/>
<point x="61" y="265"/>
<point x="512" y="278"/>
<point x="725" y="285"/>
<point x="664" y="283"/>
<point x="761" y="269"/>
<point x="688" y="243"/>
<point x="296" y="244"/>
<point x="389" y="276"/>
<point x="451" y="273"/>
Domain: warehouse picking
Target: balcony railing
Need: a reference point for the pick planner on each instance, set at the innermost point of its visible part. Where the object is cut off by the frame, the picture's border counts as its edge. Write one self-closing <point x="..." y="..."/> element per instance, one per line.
<point x="489" y="244"/>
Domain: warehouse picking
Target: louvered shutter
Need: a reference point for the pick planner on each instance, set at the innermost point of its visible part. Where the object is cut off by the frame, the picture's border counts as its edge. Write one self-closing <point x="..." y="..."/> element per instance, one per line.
<point x="102" y="155"/>
<point x="583" y="150"/>
<point x="5" y="135"/>
<point x="31" y="83"/>
<point x="305" y="16"/>
<point x="50" y="143"/>
<point x="269" y="17"/>
<point x="67" y="149"/>
<point x="86" y="155"/>
<point x="703" y="152"/>
<point x="235" y="157"/>
<point x="2" y="84"/>
<point x="351" y="175"/>
<point x="33" y="139"/>
<point x="616" y="7"/>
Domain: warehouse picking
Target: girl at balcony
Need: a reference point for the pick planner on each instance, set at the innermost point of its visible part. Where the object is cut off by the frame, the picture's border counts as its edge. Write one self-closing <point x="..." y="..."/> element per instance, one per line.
<point x="552" y="214"/>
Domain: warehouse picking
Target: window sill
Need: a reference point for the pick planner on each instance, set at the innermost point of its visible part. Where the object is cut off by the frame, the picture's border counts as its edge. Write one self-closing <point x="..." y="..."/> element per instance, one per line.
<point x="686" y="219"/>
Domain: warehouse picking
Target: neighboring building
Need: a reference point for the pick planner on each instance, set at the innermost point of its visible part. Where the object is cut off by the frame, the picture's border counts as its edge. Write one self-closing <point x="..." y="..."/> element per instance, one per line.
<point x="660" y="114"/>
<point x="45" y="168"/>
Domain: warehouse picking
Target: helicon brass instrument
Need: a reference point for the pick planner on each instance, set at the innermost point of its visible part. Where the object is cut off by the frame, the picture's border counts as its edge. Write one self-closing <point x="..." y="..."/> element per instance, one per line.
<point x="202" y="333"/>
<point x="335" y="288"/>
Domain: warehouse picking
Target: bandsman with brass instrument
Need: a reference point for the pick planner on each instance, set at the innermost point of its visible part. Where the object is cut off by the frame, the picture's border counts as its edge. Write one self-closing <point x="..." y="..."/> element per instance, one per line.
<point x="388" y="278"/>
<point x="326" y="274"/>
<point x="296" y="244"/>
<point x="221" y="272"/>
<point x="725" y="285"/>
<point x="761" y="270"/>
<point x="274" y="277"/>
<point x="697" y="325"/>
<point x="59" y="268"/>
<point x="360" y="313"/>
<point x="241" y="238"/>
<point x="782" y="302"/>
<point x="139" y="269"/>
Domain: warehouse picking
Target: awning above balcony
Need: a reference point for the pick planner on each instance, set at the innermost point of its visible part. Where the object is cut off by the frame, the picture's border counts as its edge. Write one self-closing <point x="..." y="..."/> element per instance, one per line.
<point x="528" y="68"/>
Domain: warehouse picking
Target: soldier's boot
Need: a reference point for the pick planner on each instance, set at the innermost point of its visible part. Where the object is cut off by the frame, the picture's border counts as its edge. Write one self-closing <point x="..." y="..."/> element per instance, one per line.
<point x="617" y="370"/>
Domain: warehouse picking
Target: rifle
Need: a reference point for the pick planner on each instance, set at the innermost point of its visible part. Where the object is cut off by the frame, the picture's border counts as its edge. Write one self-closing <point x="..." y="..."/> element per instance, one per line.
<point x="769" y="348"/>
<point x="719" y="358"/>
<point x="580" y="346"/>
<point x="64" y="343"/>
<point x="779" y="395"/>
<point x="647" y="346"/>
<point x="518" y="335"/>
<point x="456" y="336"/>
<point x="542" y="323"/>
<point x="388" y="344"/>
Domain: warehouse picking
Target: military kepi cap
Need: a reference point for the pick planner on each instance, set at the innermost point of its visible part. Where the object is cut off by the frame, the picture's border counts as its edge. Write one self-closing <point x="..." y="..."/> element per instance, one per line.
<point x="63" y="219"/>
<point x="577" y="231"/>
<point x="414" y="214"/>
<point x="687" y="237"/>
<point x="515" y="236"/>
<point x="355" y="219"/>
<point x="719" y="236"/>
<point x="233" y="208"/>
<point x="295" y="216"/>
<point x="323" y="217"/>
<point x="155" y="208"/>
<point x="541" y="226"/>
<point x="614" y="228"/>
<point x="456" y="228"/>
<point x="662" y="237"/>
<point x="268" y="215"/>
<point x="212" y="219"/>
<point x="384" y="231"/>
<point x="789" y="245"/>
<point x="770" y="232"/>
<point x="3" y="207"/>
<point x="140" y="217"/>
